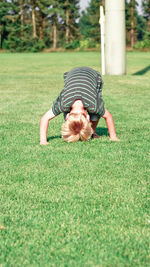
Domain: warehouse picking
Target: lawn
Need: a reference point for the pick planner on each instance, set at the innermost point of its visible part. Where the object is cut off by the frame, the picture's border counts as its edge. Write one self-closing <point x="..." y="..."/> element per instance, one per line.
<point x="79" y="204"/>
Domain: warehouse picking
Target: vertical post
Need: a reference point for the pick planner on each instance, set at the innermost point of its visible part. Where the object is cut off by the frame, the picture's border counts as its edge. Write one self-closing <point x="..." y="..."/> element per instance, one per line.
<point x="115" y="47"/>
<point x="102" y="23"/>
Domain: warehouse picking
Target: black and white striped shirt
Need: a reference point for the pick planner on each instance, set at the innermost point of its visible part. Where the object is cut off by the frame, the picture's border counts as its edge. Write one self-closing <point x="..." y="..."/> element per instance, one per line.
<point x="83" y="84"/>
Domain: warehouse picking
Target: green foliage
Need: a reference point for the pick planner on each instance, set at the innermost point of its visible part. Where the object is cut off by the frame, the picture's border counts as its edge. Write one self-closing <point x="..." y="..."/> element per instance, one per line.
<point x="23" y="21"/>
<point x="22" y="45"/>
<point x="59" y="24"/>
<point x="87" y="43"/>
<point x="71" y="16"/>
<point x="89" y="21"/>
<point x="81" y="204"/>
<point x="73" y="45"/>
<point x="4" y="9"/>
<point x="131" y="20"/>
<point x="85" y="25"/>
<point x="146" y="9"/>
<point x="145" y="43"/>
<point x="146" y="13"/>
<point x="38" y="45"/>
<point x="141" y="28"/>
<point x="128" y="7"/>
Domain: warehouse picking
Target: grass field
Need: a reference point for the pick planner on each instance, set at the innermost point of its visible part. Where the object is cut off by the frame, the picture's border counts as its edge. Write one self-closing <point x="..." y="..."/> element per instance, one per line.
<point x="80" y="204"/>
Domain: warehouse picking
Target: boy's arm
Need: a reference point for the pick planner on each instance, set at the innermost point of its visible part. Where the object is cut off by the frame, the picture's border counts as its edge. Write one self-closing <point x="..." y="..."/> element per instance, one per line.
<point x="44" y="126"/>
<point x="111" y="127"/>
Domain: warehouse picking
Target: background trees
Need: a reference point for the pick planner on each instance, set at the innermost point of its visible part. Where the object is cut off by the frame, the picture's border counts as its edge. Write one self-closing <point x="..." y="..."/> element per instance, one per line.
<point x="89" y="21"/>
<point x="31" y="25"/>
<point x="34" y="24"/>
<point x="138" y="26"/>
<point x="146" y="14"/>
<point x="131" y="21"/>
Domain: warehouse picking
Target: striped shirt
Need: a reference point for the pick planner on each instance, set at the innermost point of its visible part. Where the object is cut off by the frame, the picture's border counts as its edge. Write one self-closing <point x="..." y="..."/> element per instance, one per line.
<point x="83" y="84"/>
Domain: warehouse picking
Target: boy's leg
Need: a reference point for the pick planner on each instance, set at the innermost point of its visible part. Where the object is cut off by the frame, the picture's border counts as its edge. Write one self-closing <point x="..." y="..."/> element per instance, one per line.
<point x="94" y="125"/>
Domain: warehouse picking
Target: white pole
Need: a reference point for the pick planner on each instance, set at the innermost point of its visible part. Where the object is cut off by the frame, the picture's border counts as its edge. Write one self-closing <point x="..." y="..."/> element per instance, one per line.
<point x="102" y="23"/>
<point x="115" y="47"/>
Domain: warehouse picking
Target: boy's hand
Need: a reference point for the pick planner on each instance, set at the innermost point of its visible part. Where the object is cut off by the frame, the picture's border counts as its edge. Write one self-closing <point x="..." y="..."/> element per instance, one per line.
<point x="44" y="143"/>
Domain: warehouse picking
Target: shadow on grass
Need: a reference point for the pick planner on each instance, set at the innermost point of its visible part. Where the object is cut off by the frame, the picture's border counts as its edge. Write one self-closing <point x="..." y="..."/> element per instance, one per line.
<point x="143" y="71"/>
<point x="102" y="131"/>
<point x="99" y="130"/>
<point x="53" y="137"/>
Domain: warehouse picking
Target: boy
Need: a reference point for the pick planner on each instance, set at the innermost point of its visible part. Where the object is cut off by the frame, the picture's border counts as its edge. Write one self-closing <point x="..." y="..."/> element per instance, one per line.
<point x="82" y="104"/>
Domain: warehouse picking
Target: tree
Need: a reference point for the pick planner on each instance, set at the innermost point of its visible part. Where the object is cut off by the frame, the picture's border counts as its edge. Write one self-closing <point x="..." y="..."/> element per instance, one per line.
<point x="67" y="19"/>
<point x="146" y="12"/>
<point x="131" y="21"/>
<point x="42" y="7"/>
<point x="141" y="27"/>
<point x="73" y="18"/>
<point x="21" y="16"/>
<point x="89" y="21"/>
<point x="54" y="14"/>
<point x="4" y="10"/>
<point x="13" y="24"/>
<point x="70" y="18"/>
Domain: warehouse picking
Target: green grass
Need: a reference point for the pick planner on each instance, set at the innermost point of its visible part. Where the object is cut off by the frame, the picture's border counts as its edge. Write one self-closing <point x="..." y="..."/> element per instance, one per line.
<point x="80" y="204"/>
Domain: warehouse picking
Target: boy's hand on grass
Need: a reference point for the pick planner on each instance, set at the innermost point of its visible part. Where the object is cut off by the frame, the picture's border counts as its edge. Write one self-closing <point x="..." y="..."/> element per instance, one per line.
<point x="44" y="143"/>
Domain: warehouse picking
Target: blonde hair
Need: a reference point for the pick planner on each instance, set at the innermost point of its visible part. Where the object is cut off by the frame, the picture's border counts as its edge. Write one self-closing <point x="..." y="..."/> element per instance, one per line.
<point x="77" y="127"/>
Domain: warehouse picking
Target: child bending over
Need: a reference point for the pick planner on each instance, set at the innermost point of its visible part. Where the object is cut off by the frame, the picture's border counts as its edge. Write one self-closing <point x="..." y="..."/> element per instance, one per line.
<point x="82" y="104"/>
